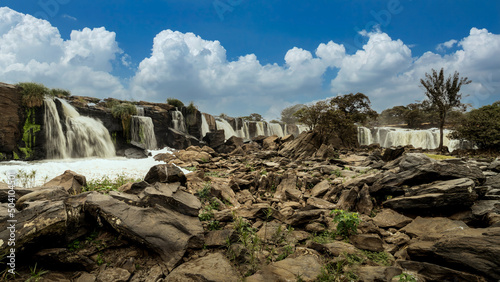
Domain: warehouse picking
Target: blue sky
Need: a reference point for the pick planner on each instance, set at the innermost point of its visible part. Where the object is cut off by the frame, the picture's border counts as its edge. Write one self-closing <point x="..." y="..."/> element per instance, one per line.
<point x="242" y="56"/>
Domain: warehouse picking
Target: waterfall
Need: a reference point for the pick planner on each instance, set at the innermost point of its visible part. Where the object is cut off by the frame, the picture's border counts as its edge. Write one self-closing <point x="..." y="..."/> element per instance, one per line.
<point x="84" y="136"/>
<point x="204" y="126"/>
<point x="364" y="136"/>
<point x="425" y="139"/>
<point x="142" y="131"/>
<point x="54" y="136"/>
<point x="228" y="129"/>
<point x="140" y="110"/>
<point x="275" y="129"/>
<point x="260" y="129"/>
<point x="178" y="122"/>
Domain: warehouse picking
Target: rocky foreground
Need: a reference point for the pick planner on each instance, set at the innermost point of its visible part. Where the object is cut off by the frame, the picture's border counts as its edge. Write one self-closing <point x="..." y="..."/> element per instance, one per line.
<point x="263" y="213"/>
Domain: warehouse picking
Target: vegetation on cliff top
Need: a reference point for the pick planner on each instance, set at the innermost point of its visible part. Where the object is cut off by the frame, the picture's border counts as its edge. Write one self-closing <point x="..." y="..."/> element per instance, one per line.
<point x="124" y="111"/>
<point x="34" y="93"/>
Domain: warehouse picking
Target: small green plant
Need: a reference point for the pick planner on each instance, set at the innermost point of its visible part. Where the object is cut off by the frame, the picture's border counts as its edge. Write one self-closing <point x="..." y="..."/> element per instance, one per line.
<point x="347" y="222"/>
<point x="323" y="237"/>
<point x="36" y="274"/>
<point x="380" y="258"/>
<point x="206" y="215"/>
<point x="75" y="245"/>
<point x="287" y="250"/>
<point x="405" y="277"/>
<point x="175" y="102"/>
<point x="100" y="260"/>
<point x="191" y="168"/>
<point x="337" y="173"/>
<point x="107" y="184"/>
<point x="263" y="172"/>
<point x="204" y="192"/>
<point x="213" y="225"/>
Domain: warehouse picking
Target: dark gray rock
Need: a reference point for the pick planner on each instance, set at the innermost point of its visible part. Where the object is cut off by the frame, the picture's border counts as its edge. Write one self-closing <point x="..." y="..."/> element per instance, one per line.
<point x="165" y="173"/>
<point x="443" y="196"/>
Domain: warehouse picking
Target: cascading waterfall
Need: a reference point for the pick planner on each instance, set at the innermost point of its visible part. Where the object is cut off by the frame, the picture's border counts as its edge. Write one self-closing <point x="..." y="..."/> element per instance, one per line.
<point x="142" y="131"/>
<point x="178" y="122"/>
<point x="364" y="136"/>
<point x="275" y="129"/>
<point x="261" y="130"/>
<point x="140" y="110"/>
<point x="228" y="129"/>
<point x="84" y="136"/>
<point x="204" y="126"/>
<point x="388" y="136"/>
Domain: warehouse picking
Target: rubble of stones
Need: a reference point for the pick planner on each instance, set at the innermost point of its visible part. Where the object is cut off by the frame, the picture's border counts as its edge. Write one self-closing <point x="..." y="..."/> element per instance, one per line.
<point x="262" y="212"/>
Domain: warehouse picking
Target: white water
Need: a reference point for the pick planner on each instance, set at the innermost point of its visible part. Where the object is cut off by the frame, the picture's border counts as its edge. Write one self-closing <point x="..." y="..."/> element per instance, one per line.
<point x="84" y="136"/>
<point x="275" y="129"/>
<point x="178" y="122"/>
<point x="142" y="131"/>
<point x="228" y="129"/>
<point x="140" y="110"/>
<point x="91" y="168"/>
<point x="364" y="136"/>
<point x="204" y="126"/>
<point x="388" y="136"/>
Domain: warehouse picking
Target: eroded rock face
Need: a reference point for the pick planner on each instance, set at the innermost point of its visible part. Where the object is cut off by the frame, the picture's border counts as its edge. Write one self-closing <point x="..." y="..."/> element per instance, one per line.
<point x="10" y="123"/>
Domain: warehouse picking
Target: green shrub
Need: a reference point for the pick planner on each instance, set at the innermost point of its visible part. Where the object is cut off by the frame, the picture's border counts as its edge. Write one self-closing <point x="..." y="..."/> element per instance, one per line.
<point x="191" y="108"/>
<point x="33" y="93"/>
<point x="124" y="111"/>
<point x="405" y="277"/>
<point x="60" y="93"/>
<point x="106" y="184"/>
<point x="347" y="222"/>
<point x="175" y="102"/>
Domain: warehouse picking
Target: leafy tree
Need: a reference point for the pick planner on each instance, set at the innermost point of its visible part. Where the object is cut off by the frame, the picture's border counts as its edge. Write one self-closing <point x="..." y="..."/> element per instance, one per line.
<point x="481" y="126"/>
<point x="338" y="116"/>
<point x="444" y="95"/>
<point x="288" y="114"/>
<point x="253" y="117"/>
<point x="175" y="102"/>
<point x="312" y="115"/>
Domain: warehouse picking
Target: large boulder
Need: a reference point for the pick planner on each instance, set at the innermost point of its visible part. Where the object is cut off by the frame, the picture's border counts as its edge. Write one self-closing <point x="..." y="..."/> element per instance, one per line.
<point x="214" y="139"/>
<point x="179" y="140"/>
<point x="388" y="218"/>
<point x="170" y="196"/>
<point x="442" y="196"/>
<point x="417" y="169"/>
<point x="166" y="173"/>
<point x="307" y="267"/>
<point x="213" y="267"/>
<point x="433" y="226"/>
<point x="71" y="181"/>
<point x="470" y="250"/>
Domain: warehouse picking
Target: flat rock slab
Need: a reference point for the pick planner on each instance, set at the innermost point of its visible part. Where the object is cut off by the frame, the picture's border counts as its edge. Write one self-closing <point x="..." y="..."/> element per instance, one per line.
<point x="213" y="267"/>
<point x="451" y="196"/>
<point x="390" y="218"/>
<point x="306" y="267"/>
<point x="165" y="231"/>
<point x="473" y="250"/>
<point x="433" y="226"/>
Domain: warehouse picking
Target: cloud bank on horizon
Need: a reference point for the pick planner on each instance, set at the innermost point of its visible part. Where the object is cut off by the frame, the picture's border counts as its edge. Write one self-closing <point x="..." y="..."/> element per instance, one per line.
<point x="187" y="67"/>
